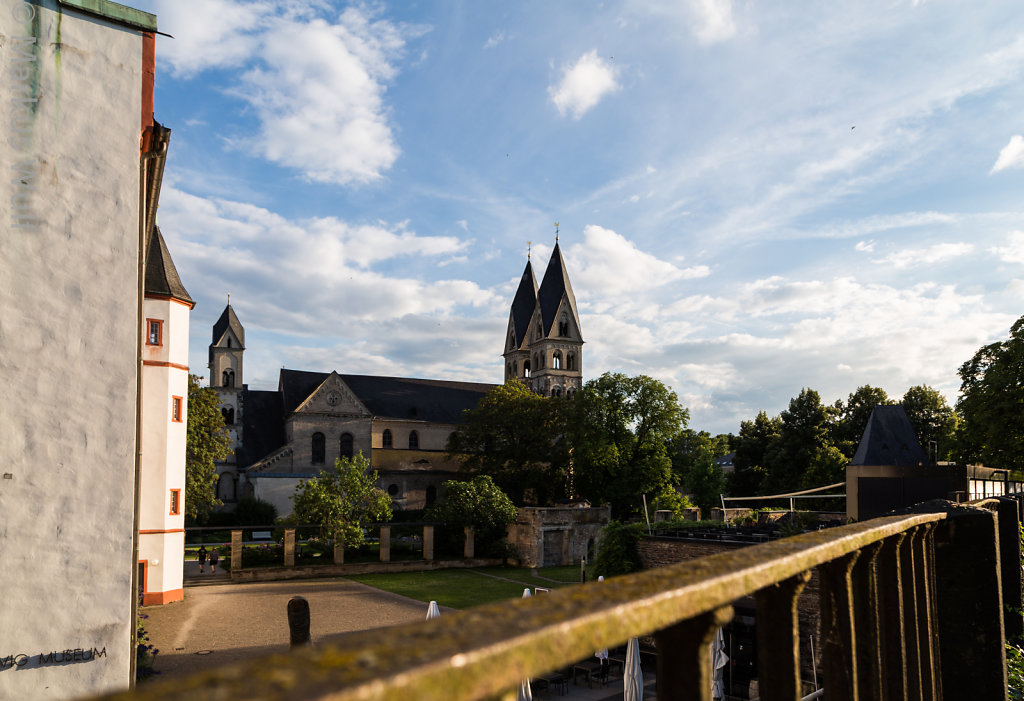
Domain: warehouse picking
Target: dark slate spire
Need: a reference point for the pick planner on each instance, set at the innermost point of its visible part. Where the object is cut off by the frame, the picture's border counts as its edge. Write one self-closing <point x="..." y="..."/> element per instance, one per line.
<point x="523" y="304"/>
<point x="161" y="276"/>
<point x="228" y="320"/>
<point x="554" y="286"/>
<point x="889" y="439"/>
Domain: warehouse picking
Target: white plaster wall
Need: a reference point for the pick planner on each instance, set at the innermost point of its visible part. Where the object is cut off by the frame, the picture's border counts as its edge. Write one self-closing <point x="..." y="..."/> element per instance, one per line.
<point x="163" y="452"/>
<point x="68" y="338"/>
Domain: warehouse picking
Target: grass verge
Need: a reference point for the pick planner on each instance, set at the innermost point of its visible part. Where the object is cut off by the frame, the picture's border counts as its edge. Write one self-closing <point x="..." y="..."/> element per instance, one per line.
<point x="464" y="588"/>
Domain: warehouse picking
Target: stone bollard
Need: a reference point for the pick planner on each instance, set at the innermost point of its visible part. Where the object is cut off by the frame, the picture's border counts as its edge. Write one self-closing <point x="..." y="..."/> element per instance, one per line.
<point x="470" y="549"/>
<point x="289" y="547"/>
<point x="385" y="543"/>
<point x="298" y="622"/>
<point x="428" y="542"/>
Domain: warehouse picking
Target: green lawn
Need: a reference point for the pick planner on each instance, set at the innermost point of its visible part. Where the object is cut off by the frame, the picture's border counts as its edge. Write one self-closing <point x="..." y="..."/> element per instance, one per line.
<point x="459" y="588"/>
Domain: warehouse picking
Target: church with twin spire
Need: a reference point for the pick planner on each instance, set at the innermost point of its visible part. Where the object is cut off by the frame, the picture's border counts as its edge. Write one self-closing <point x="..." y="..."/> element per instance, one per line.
<point x="401" y="424"/>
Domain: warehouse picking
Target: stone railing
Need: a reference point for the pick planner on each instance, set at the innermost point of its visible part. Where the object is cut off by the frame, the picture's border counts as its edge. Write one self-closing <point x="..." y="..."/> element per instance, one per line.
<point x="914" y="606"/>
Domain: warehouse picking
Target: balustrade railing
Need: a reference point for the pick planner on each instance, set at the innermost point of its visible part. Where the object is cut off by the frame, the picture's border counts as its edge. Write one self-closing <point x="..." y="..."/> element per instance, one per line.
<point x="912" y="607"/>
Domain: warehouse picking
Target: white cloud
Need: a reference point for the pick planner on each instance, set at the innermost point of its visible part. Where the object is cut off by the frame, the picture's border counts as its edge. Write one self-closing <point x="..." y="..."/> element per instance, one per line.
<point x="494" y="40"/>
<point x="321" y="109"/>
<point x="1013" y="251"/>
<point x="611" y="266"/>
<point x="223" y="34"/>
<point x="1012" y="155"/>
<point x="938" y="253"/>
<point x="865" y="246"/>
<point x="714" y="21"/>
<point x="583" y="84"/>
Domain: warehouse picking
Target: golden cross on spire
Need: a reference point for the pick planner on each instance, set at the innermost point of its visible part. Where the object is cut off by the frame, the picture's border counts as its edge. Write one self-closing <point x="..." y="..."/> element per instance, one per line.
<point x="556" y="232"/>
<point x="529" y="249"/>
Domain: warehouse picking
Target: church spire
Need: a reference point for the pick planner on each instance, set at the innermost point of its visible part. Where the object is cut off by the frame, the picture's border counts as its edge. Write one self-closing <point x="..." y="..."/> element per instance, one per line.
<point x="553" y="289"/>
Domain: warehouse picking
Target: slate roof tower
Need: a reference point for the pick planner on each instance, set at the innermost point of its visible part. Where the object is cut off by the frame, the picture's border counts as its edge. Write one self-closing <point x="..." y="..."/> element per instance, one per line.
<point x="546" y="351"/>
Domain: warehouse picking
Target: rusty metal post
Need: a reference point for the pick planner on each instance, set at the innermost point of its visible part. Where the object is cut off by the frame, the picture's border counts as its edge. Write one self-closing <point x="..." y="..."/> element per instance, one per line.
<point x="684" y="656"/>
<point x="339" y="549"/>
<point x="778" y="643"/>
<point x="298" y="622"/>
<point x="470" y="548"/>
<point x="428" y="542"/>
<point x="970" y="605"/>
<point x="838" y="629"/>
<point x="236" y="551"/>
<point x="892" y="637"/>
<point x="385" y="543"/>
<point x="289" y="547"/>
<point x="868" y="622"/>
<point x="1010" y="561"/>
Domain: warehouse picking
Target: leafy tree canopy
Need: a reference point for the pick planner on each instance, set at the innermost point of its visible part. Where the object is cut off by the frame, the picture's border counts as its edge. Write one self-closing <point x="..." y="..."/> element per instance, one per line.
<point x="620" y="431"/>
<point x="517" y="437"/>
<point x="804" y="436"/>
<point x="479" y="503"/>
<point x="933" y="419"/>
<point x="853" y="417"/>
<point x="207" y="441"/>
<point x="991" y="403"/>
<point x="342" y="500"/>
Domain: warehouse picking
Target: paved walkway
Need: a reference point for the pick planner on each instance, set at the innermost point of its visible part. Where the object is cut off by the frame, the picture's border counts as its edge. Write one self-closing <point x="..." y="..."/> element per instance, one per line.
<point x="225" y="624"/>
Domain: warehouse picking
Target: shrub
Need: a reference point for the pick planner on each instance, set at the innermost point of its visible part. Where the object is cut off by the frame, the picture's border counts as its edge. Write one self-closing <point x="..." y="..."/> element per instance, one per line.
<point x="618" y="553"/>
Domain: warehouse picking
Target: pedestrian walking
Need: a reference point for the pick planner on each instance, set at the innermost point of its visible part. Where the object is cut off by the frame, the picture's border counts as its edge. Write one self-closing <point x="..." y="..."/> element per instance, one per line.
<point x="214" y="559"/>
<point x="201" y="556"/>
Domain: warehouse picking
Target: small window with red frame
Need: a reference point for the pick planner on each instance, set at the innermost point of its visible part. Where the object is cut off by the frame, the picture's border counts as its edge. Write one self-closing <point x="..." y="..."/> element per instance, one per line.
<point x="176" y="406"/>
<point x="155" y="332"/>
<point x="175" y="502"/>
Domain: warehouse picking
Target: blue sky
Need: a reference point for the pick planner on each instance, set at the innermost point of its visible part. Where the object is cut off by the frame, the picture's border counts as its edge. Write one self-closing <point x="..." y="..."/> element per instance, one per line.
<point x="753" y="197"/>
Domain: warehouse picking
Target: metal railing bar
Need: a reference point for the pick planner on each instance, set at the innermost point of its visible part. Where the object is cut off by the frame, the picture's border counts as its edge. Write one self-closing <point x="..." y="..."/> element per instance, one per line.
<point x="838" y="627"/>
<point x="867" y="622"/>
<point x="487" y="650"/>
<point x="915" y="687"/>
<point x="892" y="638"/>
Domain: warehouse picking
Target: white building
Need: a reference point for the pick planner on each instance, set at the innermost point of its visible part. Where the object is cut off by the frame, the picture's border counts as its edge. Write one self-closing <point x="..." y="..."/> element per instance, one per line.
<point x="80" y="166"/>
<point x="164" y="406"/>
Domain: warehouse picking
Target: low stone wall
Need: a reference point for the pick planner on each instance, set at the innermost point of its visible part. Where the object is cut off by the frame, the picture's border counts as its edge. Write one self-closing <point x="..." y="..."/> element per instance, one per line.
<point x="547" y="536"/>
<point x="270" y="574"/>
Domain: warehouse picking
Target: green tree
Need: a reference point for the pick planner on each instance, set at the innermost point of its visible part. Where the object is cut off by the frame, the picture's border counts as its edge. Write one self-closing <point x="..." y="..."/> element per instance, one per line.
<point x="517" y="437"/>
<point x="693" y="461"/>
<point x="620" y="428"/>
<point x="804" y="438"/>
<point x="479" y="503"/>
<point x="933" y="419"/>
<point x="752" y="444"/>
<point x="206" y="442"/>
<point x="991" y="404"/>
<point x="854" y="415"/>
<point x="342" y="500"/>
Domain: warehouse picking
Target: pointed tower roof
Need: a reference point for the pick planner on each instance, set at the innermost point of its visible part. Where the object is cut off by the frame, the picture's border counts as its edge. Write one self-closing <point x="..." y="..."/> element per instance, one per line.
<point x="524" y="303"/>
<point x="161" y="275"/>
<point x="554" y="286"/>
<point x="889" y="439"/>
<point x="228" y="320"/>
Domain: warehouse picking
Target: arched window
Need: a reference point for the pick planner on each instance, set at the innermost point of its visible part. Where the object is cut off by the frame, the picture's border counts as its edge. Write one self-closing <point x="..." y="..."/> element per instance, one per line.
<point x="570" y="361"/>
<point x="229" y="414"/>
<point x="229" y="378"/>
<point x="563" y="326"/>
<point x="229" y="343"/>
<point x="393" y="490"/>
<point x="386" y="438"/>
<point x="556" y="360"/>
<point x="526" y="368"/>
<point x="414" y="440"/>
<point x="570" y="393"/>
<point x="346" y="445"/>
<point x="319" y="448"/>
<point x="556" y="392"/>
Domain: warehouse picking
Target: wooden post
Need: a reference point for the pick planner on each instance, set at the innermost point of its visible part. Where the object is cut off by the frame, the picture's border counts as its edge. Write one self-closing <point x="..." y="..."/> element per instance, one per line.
<point x="470" y="548"/>
<point x="298" y="622"/>
<point x="236" y="550"/>
<point x="339" y="549"/>
<point x="385" y="543"/>
<point x="428" y="542"/>
<point x="289" y="547"/>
